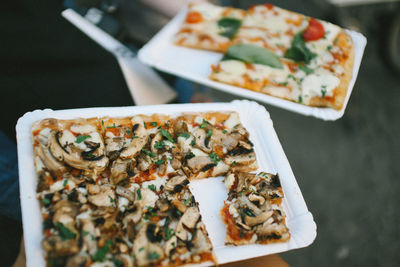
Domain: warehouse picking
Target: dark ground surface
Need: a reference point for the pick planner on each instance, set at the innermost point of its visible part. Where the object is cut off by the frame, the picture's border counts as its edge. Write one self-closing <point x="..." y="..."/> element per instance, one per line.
<point x="347" y="170"/>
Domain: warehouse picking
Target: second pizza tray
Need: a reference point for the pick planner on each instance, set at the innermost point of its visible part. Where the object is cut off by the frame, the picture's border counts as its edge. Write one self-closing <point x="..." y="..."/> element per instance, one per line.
<point x="210" y="193"/>
<point x="195" y="65"/>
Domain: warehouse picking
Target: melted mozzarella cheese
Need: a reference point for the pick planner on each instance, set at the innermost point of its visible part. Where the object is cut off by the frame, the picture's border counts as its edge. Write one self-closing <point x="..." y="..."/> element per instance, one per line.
<point x="197" y="152"/>
<point x="232" y="121"/>
<point x="315" y="84"/>
<point x="158" y="182"/>
<point x="82" y="129"/>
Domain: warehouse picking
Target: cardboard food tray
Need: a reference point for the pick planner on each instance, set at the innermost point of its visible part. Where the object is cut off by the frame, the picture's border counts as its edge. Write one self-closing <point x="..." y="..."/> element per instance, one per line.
<point x="210" y="193"/>
<point x="195" y="65"/>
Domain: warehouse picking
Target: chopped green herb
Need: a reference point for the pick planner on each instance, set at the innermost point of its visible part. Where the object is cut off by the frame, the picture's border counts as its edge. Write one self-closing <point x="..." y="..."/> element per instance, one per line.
<point x="46" y="201"/>
<point x="167" y="135"/>
<point x="234" y="163"/>
<point x="209" y="133"/>
<point x="144" y="124"/>
<point x="153" y="123"/>
<point x="185" y="134"/>
<point x="153" y="256"/>
<point x="336" y="40"/>
<point x="214" y="157"/>
<point x="139" y="194"/>
<point x="284" y="83"/>
<point x="149" y="153"/>
<point x="168" y="233"/>
<point x="193" y="142"/>
<point x="134" y="136"/>
<point x="146" y="216"/>
<point x="141" y="249"/>
<point x="159" y="162"/>
<point x="117" y="262"/>
<point x="64" y="232"/>
<point x="85" y="233"/>
<point x="152" y="187"/>
<point x="224" y="131"/>
<point x="102" y="122"/>
<point x="169" y="159"/>
<point x="203" y="124"/>
<point x="159" y="145"/>
<point x="128" y="131"/>
<point x="187" y="201"/>
<point x="65" y="182"/>
<point x="306" y="69"/>
<point x="323" y="92"/>
<point x="329" y="47"/>
<point x="190" y="155"/>
<point x="178" y="212"/>
<point x="300" y="100"/>
<point x="113" y="126"/>
<point x="81" y="138"/>
<point x="240" y="194"/>
<point x="111" y="199"/>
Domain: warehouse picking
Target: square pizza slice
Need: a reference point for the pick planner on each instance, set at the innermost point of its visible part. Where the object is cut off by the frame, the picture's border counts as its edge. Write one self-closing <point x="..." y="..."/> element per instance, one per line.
<point x="209" y="27"/>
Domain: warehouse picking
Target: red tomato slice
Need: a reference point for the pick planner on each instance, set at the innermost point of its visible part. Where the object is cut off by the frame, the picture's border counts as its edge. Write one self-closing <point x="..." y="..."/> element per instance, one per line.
<point x="269" y="6"/>
<point x="314" y="31"/>
<point x="194" y="17"/>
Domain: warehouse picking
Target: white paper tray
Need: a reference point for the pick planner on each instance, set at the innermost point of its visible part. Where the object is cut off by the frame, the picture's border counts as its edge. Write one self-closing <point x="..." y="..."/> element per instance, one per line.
<point x="210" y="193"/>
<point x="195" y="65"/>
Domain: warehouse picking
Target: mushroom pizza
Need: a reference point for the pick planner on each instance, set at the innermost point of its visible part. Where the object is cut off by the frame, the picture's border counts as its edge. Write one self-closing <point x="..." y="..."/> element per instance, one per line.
<point x="114" y="191"/>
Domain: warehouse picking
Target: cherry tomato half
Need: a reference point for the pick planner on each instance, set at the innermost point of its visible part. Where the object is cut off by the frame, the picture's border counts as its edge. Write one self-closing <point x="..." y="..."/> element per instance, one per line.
<point x="314" y="31"/>
<point x="194" y="17"/>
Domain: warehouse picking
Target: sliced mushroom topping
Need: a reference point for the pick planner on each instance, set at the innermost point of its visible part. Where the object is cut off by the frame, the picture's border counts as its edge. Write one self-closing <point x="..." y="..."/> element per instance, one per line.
<point x="114" y="146"/>
<point x="271" y="230"/>
<point x="220" y="169"/>
<point x="229" y="141"/>
<point x="181" y="127"/>
<point x="190" y="217"/>
<point x="59" y="247"/>
<point x="138" y="142"/>
<point x="119" y="171"/>
<point x="198" y="163"/>
<point x="127" y="261"/>
<point x="262" y="217"/>
<point x="126" y="193"/>
<point x="242" y="159"/>
<point x="201" y="242"/>
<point x="133" y="217"/>
<point x="145" y="251"/>
<point x="176" y="184"/>
<point x="143" y="162"/>
<point x="156" y="139"/>
<point x="256" y="198"/>
<point x="149" y="198"/>
<point x="65" y="212"/>
<point x="175" y="163"/>
<point x="55" y="167"/>
<point x="83" y="160"/>
<point x="179" y="205"/>
<point x="89" y="232"/>
<point x="170" y="245"/>
<point x="246" y="202"/>
<point x="78" y="260"/>
<point x="202" y="140"/>
<point x="104" y="196"/>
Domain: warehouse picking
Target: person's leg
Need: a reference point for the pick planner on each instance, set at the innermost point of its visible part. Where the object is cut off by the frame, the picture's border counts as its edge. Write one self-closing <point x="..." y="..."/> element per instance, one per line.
<point x="9" y="186"/>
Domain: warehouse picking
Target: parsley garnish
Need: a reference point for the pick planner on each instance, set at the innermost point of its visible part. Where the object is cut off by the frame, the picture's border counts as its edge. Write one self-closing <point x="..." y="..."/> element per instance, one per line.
<point x="185" y="134"/>
<point x="65" y="182"/>
<point x="154" y="256"/>
<point x="187" y="201"/>
<point x="152" y="187"/>
<point x="85" y="233"/>
<point x="193" y="142"/>
<point x="209" y="133"/>
<point x="128" y="131"/>
<point x="141" y="249"/>
<point x="46" y="201"/>
<point x="300" y="100"/>
<point x="190" y="155"/>
<point x="240" y="194"/>
<point x="234" y="163"/>
<point x="159" y="162"/>
<point x="178" y="212"/>
<point x="81" y="138"/>
<point x="113" y="126"/>
<point x="153" y="123"/>
<point x="323" y="91"/>
<point x="101" y="253"/>
<point x="111" y="199"/>
<point x="149" y="153"/>
<point x="167" y="135"/>
<point x="214" y="157"/>
<point x="64" y="232"/>
<point x="159" y="145"/>
<point x="203" y="124"/>
<point x="134" y="136"/>
<point x="224" y="131"/>
<point x="139" y="194"/>
<point x="102" y="122"/>
<point x="144" y="124"/>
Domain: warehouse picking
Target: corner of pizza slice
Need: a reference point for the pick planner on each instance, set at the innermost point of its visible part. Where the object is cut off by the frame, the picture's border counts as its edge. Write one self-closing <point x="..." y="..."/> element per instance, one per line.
<point x="253" y="212"/>
<point x="290" y="56"/>
<point x="209" y="27"/>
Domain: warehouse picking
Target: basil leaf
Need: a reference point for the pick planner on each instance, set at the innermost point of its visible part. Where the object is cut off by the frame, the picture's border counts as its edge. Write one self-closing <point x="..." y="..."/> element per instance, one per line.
<point x="253" y="54"/>
<point x="229" y="26"/>
<point x="299" y="51"/>
<point x="167" y="135"/>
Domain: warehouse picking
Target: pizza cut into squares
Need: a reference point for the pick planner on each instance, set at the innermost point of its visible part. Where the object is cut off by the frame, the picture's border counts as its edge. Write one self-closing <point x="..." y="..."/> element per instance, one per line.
<point x="253" y="212"/>
<point x="209" y="27"/>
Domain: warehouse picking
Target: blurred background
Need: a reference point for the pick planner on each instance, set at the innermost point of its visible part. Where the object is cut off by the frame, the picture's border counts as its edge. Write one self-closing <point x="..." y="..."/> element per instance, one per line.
<point x="347" y="170"/>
